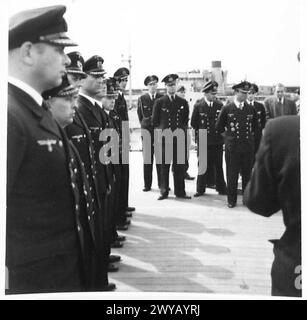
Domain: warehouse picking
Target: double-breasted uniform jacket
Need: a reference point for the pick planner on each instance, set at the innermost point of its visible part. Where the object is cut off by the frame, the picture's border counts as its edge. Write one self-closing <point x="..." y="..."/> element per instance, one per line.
<point x="92" y="117"/>
<point x="87" y="219"/>
<point x="205" y="117"/>
<point x="261" y="120"/>
<point x="121" y="108"/>
<point x="145" y="109"/>
<point x="42" y="194"/>
<point x="170" y="115"/>
<point x="238" y="127"/>
<point x="80" y="136"/>
<point x="275" y="185"/>
<point x="274" y="108"/>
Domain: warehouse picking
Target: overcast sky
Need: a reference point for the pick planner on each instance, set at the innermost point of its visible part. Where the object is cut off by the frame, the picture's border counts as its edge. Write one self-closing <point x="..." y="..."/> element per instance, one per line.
<point x="254" y="39"/>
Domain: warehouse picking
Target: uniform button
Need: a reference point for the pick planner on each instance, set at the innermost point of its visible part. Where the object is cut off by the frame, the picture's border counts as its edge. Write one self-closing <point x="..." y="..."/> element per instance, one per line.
<point x="93" y="213"/>
<point x="88" y="218"/>
<point x="77" y="207"/>
<point x="93" y="200"/>
<point x="75" y="170"/>
<point x="79" y="229"/>
<point x="91" y="188"/>
<point x="60" y="143"/>
<point x="73" y="185"/>
<point x="87" y="176"/>
<point x="87" y="205"/>
<point x="85" y="192"/>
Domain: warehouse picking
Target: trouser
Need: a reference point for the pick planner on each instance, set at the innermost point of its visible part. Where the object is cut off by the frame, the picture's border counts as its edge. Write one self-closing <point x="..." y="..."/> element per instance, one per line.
<point x="61" y="273"/>
<point x="237" y="162"/>
<point x="123" y="173"/>
<point x="215" y="162"/>
<point x="110" y="222"/>
<point x="148" y="154"/>
<point x="178" y="171"/>
<point x="102" y="243"/>
<point x="187" y="144"/>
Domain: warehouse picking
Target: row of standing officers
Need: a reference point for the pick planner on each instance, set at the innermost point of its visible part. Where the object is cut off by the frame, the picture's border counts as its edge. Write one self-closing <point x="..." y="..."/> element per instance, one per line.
<point x="64" y="205"/>
<point x="238" y="126"/>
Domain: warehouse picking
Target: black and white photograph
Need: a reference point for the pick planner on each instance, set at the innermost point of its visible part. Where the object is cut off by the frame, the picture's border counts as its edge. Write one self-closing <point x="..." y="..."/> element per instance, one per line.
<point x="153" y="150"/>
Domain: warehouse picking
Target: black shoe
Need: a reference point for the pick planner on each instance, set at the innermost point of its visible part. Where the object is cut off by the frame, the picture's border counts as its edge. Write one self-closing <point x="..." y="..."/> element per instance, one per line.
<point x="114" y="258"/>
<point x="116" y="244"/>
<point x="112" y="268"/>
<point x="109" y="287"/>
<point x="122" y="227"/>
<point x="198" y="194"/>
<point x="231" y="205"/>
<point x="188" y="177"/>
<point x="121" y="238"/>
<point x="165" y="196"/>
<point x="130" y="209"/>
<point x="211" y="186"/>
<point x="128" y="214"/>
<point x="184" y="197"/>
<point x="146" y="189"/>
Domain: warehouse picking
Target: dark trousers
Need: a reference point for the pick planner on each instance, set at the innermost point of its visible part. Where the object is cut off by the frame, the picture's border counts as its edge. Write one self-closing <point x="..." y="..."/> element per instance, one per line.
<point x="187" y="145"/>
<point x="123" y="173"/>
<point x="61" y="273"/>
<point x="215" y="162"/>
<point x="237" y="162"/>
<point x="102" y="244"/>
<point x="148" y="153"/>
<point x="178" y="172"/>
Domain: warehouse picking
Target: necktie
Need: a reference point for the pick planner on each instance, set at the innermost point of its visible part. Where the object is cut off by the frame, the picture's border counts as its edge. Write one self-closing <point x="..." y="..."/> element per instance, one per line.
<point x="152" y="97"/>
<point x="241" y="105"/>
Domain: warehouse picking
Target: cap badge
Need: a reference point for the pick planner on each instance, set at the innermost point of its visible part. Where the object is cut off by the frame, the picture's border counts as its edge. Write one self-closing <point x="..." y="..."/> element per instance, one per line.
<point x="79" y="64"/>
<point x="99" y="64"/>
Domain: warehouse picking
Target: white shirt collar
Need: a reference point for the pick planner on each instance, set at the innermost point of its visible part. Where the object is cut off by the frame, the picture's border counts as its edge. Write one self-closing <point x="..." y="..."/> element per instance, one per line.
<point x="208" y="102"/>
<point x="150" y="95"/>
<point x="251" y="102"/>
<point x="88" y="98"/>
<point x="26" y="88"/>
<point x="99" y="103"/>
<point x="237" y="103"/>
<point x="106" y="111"/>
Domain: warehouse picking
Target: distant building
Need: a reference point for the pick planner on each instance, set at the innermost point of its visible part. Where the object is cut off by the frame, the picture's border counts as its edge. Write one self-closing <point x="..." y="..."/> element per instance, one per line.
<point x="194" y="80"/>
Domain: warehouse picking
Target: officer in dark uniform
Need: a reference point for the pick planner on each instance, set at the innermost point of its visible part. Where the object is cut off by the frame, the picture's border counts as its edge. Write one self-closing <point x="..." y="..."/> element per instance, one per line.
<point x="261" y="115"/>
<point x="275" y="185"/>
<point x="181" y="93"/>
<point x="171" y="112"/>
<point x="43" y="234"/>
<point x="121" y="109"/>
<point x="204" y="116"/>
<point x="89" y="105"/>
<point x="61" y="101"/>
<point x="144" y="110"/>
<point x="75" y="72"/>
<point x="79" y="133"/>
<point x="238" y="121"/>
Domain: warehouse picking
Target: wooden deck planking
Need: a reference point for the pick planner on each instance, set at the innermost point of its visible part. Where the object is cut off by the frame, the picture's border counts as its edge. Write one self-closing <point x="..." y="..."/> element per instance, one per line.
<point x="196" y="245"/>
